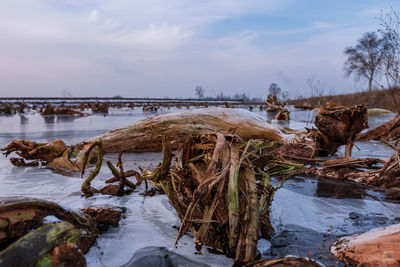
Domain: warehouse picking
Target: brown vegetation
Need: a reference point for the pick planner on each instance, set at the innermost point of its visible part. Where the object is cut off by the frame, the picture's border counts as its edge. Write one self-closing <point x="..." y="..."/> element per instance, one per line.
<point x="385" y="99"/>
<point x="220" y="190"/>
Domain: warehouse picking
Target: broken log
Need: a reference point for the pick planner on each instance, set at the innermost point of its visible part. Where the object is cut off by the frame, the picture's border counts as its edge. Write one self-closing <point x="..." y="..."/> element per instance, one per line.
<point x="352" y="162"/>
<point x="55" y="154"/>
<point x="386" y="131"/>
<point x="390" y="173"/>
<point x="338" y="125"/>
<point x="30" y="229"/>
<point x="146" y="135"/>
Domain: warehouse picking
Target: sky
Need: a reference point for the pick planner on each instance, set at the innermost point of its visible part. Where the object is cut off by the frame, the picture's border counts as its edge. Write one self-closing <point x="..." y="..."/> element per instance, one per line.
<point x="158" y="48"/>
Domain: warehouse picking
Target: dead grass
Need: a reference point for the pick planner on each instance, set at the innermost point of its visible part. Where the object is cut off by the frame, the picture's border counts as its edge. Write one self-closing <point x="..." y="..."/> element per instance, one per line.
<point x="386" y="99"/>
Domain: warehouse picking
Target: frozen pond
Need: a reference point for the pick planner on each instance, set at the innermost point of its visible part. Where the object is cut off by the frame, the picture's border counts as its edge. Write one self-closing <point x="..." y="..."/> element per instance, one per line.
<point x="307" y="213"/>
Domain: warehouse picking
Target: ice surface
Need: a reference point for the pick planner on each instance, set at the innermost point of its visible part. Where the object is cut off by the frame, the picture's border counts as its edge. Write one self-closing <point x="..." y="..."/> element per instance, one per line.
<point x="308" y="204"/>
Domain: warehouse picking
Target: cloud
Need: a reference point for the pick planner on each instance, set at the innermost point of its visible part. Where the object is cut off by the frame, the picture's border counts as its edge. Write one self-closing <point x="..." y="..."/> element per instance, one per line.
<point x="147" y="48"/>
<point x="94" y="15"/>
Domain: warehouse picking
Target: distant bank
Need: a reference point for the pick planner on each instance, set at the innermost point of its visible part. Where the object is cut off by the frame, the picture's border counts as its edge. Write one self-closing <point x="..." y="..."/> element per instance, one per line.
<point x="386" y="99"/>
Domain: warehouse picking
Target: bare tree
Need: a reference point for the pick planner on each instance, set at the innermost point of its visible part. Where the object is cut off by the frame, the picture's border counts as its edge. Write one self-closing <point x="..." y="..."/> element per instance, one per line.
<point x="274" y="89"/>
<point x="364" y="60"/>
<point x="317" y="87"/>
<point x="199" y="91"/>
<point x="390" y="30"/>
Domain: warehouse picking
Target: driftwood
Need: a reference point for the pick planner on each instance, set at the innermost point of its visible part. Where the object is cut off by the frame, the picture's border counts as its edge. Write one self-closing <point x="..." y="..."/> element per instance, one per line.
<point x="273" y="104"/>
<point x="305" y="106"/>
<point x="354" y="169"/>
<point x="54" y="154"/>
<point x="352" y="162"/>
<point x="377" y="247"/>
<point x="100" y="107"/>
<point x="385" y="131"/>
<point x="50" y="110"/>
<point x="283" y="115"/>
<point x="146" y="135"/>
<point x="30" y="229"/>
<point x="220" y="191"/>
<point x="338" y="125"/>
<point x="390" y="173"/>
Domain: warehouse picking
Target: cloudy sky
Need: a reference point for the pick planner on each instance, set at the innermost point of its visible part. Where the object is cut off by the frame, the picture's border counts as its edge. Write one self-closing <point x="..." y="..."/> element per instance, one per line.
<point x="158" y="48"/>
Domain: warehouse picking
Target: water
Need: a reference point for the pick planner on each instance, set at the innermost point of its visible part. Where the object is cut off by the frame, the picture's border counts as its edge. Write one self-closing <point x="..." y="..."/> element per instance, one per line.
<point x="308" y="214"/>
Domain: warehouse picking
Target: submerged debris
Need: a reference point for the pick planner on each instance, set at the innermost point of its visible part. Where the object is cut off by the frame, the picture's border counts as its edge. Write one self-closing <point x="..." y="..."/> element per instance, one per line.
<point x="161" y="256"/>
<point x="30" y="230"/>
<point x="220" y="188"/>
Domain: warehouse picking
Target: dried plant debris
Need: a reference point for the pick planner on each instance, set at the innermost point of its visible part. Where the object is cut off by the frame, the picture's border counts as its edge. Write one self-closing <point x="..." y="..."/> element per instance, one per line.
<point x="100" y="107"/>
<point x="55" y="154"/>
<point x="220" y="188"/>
<point x="67" y="255"/>
<point x="283" y="115"/>
<point x="273" y="104"/>
<point x="284" y="262"/>
<point x="121" y="177"/>
<point x="389" y="175"/>
<point x="6" y="108"/>
<point x="30" y="230"/>
<point x="59" y="110"/>
<point x="386" y="131"/>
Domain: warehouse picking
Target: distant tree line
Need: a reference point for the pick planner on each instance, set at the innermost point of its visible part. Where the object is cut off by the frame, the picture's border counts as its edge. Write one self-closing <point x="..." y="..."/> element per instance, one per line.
<point x="377" y="54"/>
<point x="273" y="89"/>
